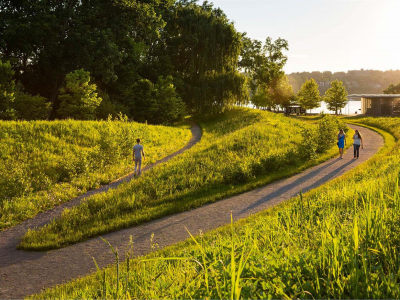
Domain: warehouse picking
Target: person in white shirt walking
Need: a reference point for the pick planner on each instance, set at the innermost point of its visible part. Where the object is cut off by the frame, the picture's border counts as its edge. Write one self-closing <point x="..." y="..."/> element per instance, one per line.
<point x="357" y="143"/>
<point x="137" y="157"/>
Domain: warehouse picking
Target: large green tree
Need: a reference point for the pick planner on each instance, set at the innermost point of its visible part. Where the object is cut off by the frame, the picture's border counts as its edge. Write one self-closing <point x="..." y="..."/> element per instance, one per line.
<point x="336" y="96"/>
<point x="45" y="40"/>
<point x="200" y="48"/>
<point x="263" y="64"/>
<point x="309" y="96"/>
<point x="125" y="44"/>
<point x="278" y="94"/>
<point x="78" y="97"/>
<point x="282" y="92"/>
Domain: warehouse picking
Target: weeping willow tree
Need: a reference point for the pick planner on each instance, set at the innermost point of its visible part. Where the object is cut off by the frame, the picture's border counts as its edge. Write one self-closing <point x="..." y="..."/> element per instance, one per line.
<point x="203" y="49"/>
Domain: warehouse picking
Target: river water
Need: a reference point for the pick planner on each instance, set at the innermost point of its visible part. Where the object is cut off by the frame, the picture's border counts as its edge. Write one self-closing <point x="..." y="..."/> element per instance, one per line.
<point x="351" y="108"/>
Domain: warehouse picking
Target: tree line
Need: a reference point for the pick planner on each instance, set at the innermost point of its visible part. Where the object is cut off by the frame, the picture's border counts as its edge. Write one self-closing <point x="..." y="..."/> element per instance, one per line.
<point x="280" y="96"/>
<point x="153" y="60"/>
<point x="355" y="81"/>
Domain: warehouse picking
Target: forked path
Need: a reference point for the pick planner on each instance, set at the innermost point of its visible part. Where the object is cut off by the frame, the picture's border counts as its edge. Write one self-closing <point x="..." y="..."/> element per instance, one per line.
<point x="23" y="273"/>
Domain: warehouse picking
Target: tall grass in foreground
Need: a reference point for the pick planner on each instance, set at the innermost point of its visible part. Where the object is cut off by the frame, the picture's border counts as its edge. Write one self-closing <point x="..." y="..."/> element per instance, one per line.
<point x="45" y="163"/>
<point x="341" y="240"/>
<point x="239" y="150"/>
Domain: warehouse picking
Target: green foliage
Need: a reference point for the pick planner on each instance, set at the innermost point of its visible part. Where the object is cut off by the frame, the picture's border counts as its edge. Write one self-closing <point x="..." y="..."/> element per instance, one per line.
<point x="220" y="91"/>
<point x="126" y="45"/>
<point x="30" y="107"/>
<point x="320" y="139"/>
<point x="309" y="147"/>
<point x="278" y="93"/>
<point x="309" y="96"/>
<point x="7" y="91"/>
<point x="336" y="96"/>
<point x="392" y="89"/>
<point x="263" y="62"/>
<point x="239" y="150"/>
<point x="338" y="241"/>
<point x="262" y="98"/>
<point x="43" y="164"/>
<point x="328" y="129"/>
<point x="201" y="49"/>
<point x="282" y="92"/>
<point x="78" y="98"/>
<point x="157" y="103"/>
<point x="47" y="39"/>
<point x="263" y="65"/>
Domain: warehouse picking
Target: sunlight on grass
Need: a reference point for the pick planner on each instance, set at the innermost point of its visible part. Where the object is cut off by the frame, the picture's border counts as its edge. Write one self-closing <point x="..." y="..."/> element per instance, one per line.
<point x="240" y="150"/>
<point x="43" y="164"/>
<point x="338" y="241"/>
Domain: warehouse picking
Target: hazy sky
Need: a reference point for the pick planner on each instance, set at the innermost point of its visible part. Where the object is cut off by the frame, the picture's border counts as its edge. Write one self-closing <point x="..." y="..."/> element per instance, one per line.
<point x="334" y="35"/>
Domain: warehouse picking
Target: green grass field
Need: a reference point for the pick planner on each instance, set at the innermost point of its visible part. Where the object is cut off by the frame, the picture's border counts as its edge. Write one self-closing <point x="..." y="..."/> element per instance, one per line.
<point x="338" y="241"/>
<point x="43" y="164"/>
<point x="240" y="150"/>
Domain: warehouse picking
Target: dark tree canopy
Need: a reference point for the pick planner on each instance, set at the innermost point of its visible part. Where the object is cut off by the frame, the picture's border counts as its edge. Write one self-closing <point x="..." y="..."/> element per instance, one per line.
<point x="177" y="54"/>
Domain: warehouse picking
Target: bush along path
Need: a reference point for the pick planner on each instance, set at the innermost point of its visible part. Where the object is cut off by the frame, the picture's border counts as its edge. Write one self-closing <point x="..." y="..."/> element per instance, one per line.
<point x="23" y="273"/>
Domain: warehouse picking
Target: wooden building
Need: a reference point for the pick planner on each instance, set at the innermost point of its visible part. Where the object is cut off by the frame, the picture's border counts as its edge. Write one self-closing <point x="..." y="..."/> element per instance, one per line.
<point x="379" y="104"/>
<point x="295" y="109"/>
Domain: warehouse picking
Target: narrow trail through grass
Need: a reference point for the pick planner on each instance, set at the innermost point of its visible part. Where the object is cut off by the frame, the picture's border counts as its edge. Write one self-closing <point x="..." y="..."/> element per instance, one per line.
<point x="339" y="240"/>
<point x="45" y="269"/>
<point x="46" y="163"/>
<point x="240" y="150"/>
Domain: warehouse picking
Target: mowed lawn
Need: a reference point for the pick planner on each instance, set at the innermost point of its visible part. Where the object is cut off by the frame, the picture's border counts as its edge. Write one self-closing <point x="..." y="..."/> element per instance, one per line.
<point x="45" y="163"/>
<point x="239" y="150"/>
<point x="338" y="241"/>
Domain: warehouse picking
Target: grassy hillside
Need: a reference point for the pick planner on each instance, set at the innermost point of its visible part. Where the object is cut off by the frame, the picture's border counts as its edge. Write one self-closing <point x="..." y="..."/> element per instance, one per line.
<point x="239" y="150"/>
<point x="338" y="241"/>
<point x="43" y="164"/>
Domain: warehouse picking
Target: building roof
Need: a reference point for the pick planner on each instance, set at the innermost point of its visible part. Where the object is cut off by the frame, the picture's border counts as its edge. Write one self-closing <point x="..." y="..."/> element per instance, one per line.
<point x="374" y="96"/>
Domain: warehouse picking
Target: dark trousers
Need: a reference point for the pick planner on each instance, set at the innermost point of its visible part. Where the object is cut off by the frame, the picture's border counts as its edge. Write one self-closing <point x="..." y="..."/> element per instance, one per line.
<point x="356" y="150"/>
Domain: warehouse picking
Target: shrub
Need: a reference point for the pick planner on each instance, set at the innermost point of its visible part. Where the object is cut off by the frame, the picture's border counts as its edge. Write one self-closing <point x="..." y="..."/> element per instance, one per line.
<point x="170" y="106"/>
<point x="328" y="128"/>
<point x="78" y="98"/>
<point x="30" y="107"/>
<point x="156" y="103"/>
<point x="308" y="148"/>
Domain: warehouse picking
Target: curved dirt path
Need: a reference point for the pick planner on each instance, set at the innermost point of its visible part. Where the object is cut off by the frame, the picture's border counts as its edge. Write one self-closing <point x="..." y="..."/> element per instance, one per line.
<point x="23" y="273"/>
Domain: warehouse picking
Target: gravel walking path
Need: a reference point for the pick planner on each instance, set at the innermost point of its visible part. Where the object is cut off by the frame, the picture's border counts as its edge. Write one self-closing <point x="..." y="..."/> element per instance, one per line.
<point x="23" y="273"/>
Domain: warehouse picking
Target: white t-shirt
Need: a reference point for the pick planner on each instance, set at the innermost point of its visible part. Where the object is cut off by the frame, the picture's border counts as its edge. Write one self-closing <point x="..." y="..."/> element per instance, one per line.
<point x="137" y="149"/>
<point x="357" y="140"/>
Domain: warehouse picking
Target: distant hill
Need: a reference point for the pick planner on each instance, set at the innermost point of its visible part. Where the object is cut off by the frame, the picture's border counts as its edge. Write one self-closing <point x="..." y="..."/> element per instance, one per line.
<point x="356" y="81"/>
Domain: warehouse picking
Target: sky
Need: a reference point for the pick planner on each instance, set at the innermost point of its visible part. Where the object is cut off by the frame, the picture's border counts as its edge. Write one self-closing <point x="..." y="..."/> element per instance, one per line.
<point x="324" y="35"/>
